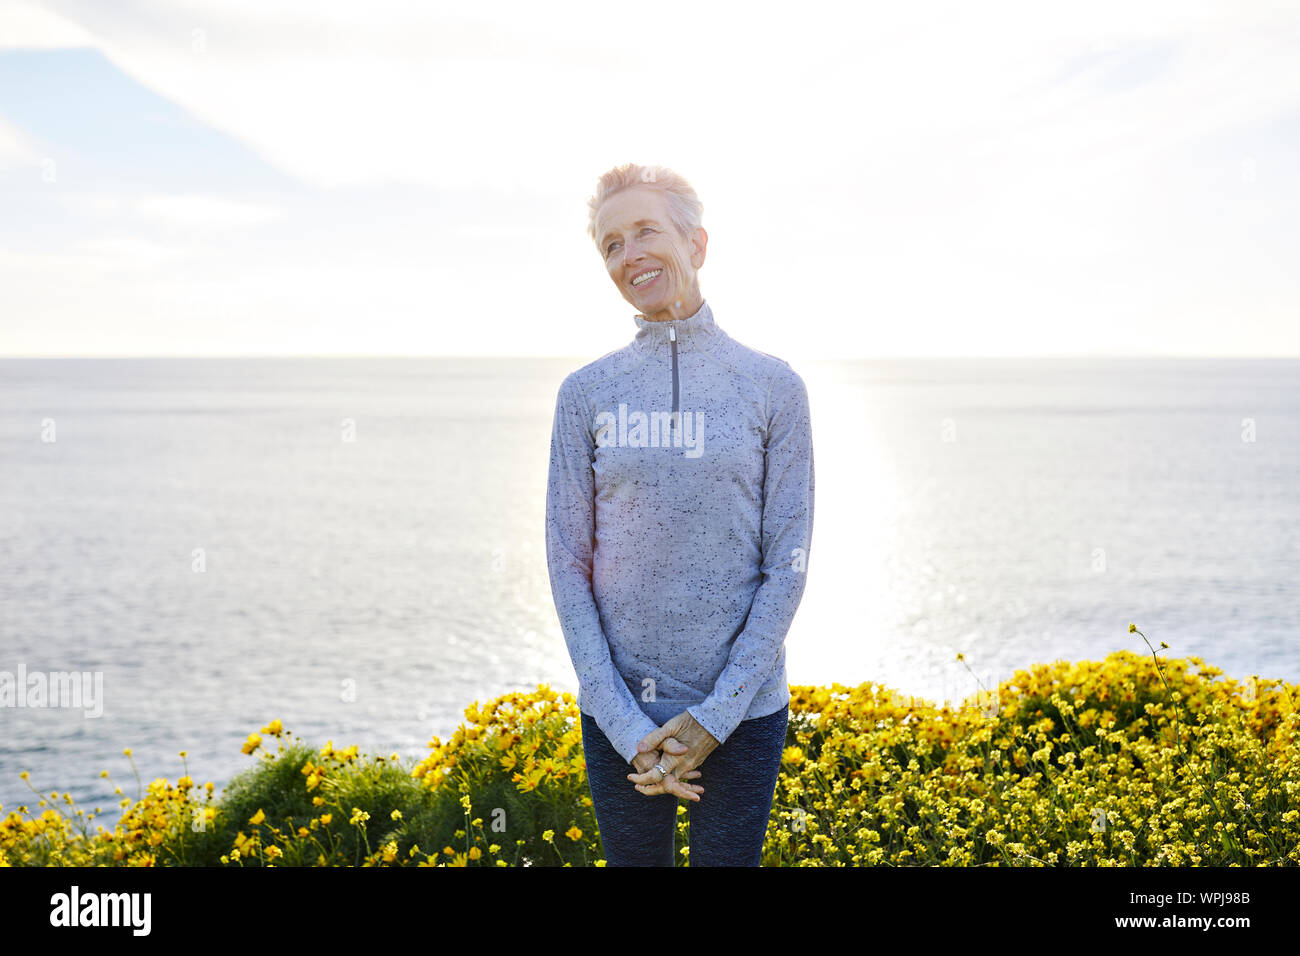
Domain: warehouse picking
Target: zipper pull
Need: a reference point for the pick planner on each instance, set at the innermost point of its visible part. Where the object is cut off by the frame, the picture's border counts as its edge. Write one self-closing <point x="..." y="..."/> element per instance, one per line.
<point x="672" y="342"/>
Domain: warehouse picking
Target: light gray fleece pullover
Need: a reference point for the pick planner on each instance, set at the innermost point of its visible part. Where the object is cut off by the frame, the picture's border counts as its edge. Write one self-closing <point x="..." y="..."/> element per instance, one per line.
<point x="678" y="545"/>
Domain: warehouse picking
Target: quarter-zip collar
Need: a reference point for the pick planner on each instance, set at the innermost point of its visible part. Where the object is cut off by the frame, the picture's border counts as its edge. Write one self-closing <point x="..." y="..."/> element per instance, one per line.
<point x="694" y="333"/>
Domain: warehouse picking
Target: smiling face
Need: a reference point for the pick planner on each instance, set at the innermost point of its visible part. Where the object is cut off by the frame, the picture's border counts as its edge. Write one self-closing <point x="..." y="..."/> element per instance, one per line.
<point x="639" y="242"/>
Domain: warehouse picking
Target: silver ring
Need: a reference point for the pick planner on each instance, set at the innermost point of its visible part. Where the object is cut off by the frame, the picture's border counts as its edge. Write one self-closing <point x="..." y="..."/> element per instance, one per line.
<point x="662" y="771"/>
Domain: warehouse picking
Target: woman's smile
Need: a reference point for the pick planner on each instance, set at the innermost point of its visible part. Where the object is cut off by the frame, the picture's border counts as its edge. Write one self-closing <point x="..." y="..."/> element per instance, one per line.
<point x="646" y="278"/>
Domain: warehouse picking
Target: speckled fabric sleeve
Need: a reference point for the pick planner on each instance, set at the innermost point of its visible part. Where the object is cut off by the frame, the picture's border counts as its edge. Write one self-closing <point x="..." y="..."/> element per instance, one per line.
<point x="570" y="535"/>
<point x="786" y="535"/>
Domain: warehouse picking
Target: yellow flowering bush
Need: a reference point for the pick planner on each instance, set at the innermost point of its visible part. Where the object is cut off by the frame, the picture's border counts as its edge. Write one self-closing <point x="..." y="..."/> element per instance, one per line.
<point x="1083" y="764"/>
<point x="519" y="774"/>
<point x="1130" y="761"/>
<point x="168" y="824"/>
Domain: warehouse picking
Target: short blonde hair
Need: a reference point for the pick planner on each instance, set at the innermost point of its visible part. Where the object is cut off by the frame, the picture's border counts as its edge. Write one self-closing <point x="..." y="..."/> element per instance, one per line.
<point x="684" y="207"/>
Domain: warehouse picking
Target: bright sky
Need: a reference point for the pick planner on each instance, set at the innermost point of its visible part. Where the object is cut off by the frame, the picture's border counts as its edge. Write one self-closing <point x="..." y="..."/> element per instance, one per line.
<point x="224" y="177"/>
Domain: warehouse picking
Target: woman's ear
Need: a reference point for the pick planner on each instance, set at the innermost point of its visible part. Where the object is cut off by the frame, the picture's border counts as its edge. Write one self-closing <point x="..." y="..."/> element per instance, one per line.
<point x="699" y="246"/>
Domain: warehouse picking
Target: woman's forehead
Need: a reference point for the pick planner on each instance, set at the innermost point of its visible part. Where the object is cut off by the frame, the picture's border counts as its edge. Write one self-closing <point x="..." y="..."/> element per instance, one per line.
<point x="630" y="207"/>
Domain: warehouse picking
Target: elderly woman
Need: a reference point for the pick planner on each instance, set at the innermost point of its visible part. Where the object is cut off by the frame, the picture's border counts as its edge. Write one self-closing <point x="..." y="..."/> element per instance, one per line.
<point x="678" y="521"/>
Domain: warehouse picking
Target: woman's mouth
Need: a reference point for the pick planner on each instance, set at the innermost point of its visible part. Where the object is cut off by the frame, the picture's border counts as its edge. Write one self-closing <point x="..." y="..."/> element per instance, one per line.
<point x="646" y="278"/>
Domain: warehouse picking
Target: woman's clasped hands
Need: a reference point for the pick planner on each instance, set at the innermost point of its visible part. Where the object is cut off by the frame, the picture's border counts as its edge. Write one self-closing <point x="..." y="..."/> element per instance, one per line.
<point x="679" y="746"/>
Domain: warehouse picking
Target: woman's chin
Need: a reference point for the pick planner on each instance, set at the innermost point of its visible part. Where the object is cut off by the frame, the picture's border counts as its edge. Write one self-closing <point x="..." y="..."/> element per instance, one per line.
<point x="654" y="304"/>
<point x="646" y="306"/>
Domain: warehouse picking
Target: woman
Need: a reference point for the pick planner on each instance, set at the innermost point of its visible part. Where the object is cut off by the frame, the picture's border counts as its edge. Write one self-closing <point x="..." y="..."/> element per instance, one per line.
<point x="678" y="521"/>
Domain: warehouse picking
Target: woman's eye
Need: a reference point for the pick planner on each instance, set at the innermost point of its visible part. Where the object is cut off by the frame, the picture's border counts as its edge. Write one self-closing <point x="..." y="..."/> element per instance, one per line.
<point x="610" y="247"/>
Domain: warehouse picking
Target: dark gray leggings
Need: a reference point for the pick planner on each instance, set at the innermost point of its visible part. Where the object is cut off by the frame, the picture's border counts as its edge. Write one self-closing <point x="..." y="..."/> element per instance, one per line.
<point x="728" y="824"/>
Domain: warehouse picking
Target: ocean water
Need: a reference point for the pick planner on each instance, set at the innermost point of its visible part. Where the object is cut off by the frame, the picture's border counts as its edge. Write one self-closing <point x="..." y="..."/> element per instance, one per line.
<point x="201" y="534"/>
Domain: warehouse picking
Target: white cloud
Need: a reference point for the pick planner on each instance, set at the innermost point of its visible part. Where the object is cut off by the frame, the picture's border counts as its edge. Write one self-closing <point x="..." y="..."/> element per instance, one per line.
<point x="104" y="257"/>
<point x="125" y="252"/>
<point x="97" y="205"/>
<point x="441" y="95"/>
<point x="28" y="26"/>
<point x="929" y="172"/>
<point x="16" y="148"/>
<point x="206" y="211"/>
<point x="181" y="210"/>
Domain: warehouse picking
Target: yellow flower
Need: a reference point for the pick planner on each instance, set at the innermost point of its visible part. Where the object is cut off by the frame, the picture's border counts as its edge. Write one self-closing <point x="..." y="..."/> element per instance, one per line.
<point x="274" y="852"/>
<point x="274" y="728"/>
<point x="549" y="836"/>
<point x="1132" y="628"/>
<point x="475" y="853"/>
<point x="396" y="814"/>
<point x="325" y="819"/>
<point x="251" y="744"/>
<point x="257" y="817"/>
<point x="127" y="752"/>
<point x="573" y="833"/>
